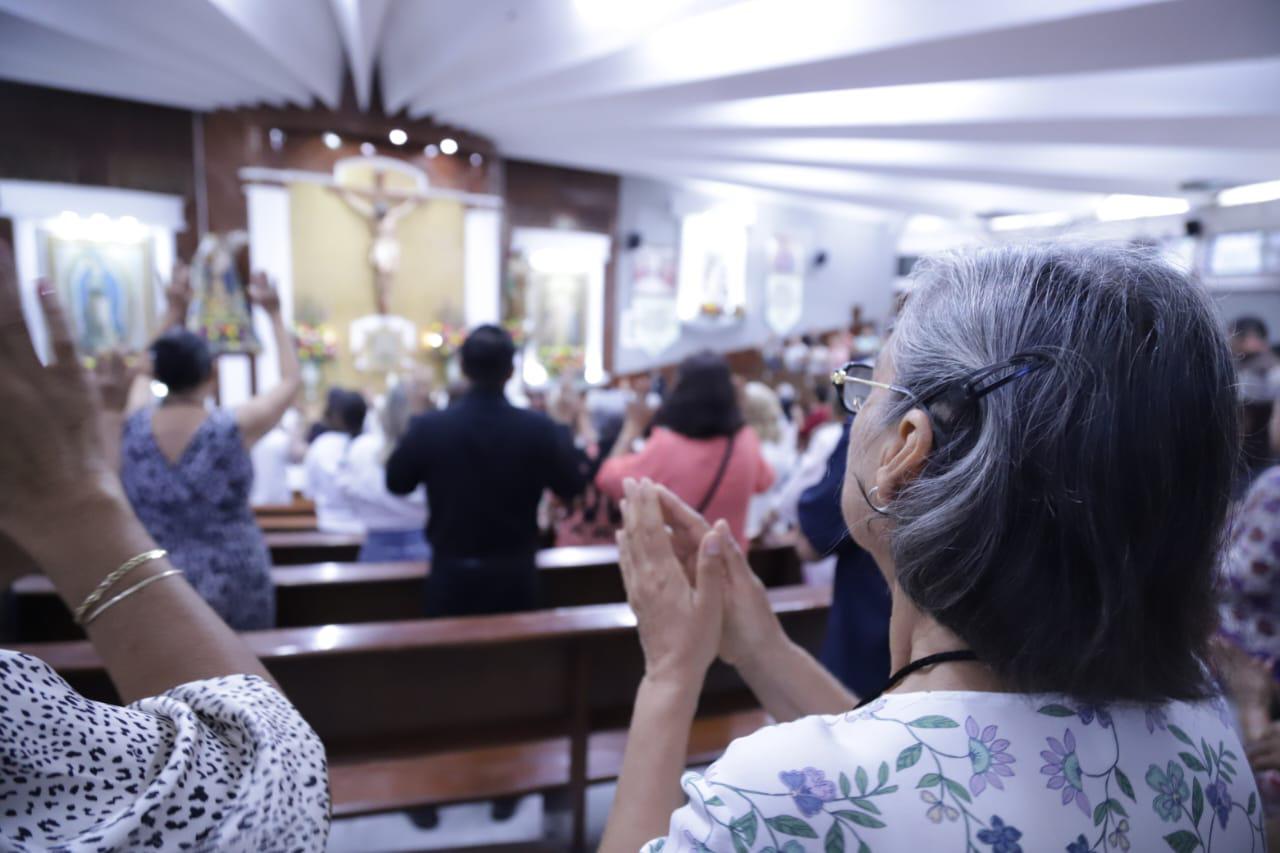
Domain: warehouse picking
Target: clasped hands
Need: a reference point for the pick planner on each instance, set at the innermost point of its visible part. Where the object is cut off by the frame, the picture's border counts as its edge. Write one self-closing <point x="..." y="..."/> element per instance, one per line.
<point x="693" y="593"/>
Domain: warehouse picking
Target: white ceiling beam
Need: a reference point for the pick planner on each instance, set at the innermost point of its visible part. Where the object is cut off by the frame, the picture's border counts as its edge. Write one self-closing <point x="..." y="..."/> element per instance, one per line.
<point x="1085" y="168"/>
<point x="908" y="194"/>
<point x="32" y="54"/>
<point x="748" y="38"/>
<point x="145" y="38"/>
<point x="1190" y="31"/>
<point x="423" y="37"/>
<point x="360" y="25"/>
<point x="300" y="35"/>
<point x="1244" y="87"/>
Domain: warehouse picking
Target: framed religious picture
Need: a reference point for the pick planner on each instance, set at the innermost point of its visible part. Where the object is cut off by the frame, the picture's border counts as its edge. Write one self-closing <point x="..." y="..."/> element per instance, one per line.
<point x="784" y="283"/>
<point x="108" y="289"/>
<point x="652" y="323"/>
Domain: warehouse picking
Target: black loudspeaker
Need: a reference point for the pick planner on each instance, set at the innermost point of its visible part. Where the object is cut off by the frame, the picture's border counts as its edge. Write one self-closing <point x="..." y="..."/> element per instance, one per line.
<point x="633" y="241"/>
<point x="1194" y="227"/>
<point x="820" y="258"/>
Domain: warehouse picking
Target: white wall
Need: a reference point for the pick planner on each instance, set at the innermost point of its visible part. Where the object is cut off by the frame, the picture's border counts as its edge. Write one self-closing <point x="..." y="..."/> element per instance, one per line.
<point x="858" y="271"/>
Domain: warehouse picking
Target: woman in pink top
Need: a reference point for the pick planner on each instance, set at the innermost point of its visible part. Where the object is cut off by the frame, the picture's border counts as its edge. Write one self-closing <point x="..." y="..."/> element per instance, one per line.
<point x="699" y="448"/>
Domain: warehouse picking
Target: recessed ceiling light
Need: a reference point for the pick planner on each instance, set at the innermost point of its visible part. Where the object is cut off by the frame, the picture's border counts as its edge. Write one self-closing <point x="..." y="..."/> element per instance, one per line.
<point x="332" y="140"/>
<point x="432" y="151"/>
<point x="448" y="145"/>
<point x="1121" y="206"/>
<point x="398" y="136"/>
<point x="367" y="149"/>
<point x="476" y="159"/>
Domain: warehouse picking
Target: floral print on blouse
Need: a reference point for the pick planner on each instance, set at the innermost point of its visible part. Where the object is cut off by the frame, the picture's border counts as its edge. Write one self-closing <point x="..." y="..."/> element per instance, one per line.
<point x="979" y="773"/>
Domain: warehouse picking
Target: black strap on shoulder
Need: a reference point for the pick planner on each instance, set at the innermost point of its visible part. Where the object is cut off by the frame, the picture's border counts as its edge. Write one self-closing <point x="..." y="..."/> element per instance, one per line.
<point x="715" y="484"/>
<point x="916" y="666"/>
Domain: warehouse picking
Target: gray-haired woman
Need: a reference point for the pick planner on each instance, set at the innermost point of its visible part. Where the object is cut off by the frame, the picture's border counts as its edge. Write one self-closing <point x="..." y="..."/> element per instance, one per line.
<point x="1041" y="465"/>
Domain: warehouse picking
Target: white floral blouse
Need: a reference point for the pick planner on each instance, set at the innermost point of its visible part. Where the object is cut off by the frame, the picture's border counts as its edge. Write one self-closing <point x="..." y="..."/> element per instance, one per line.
<point x="979" y="773"/>
<point x="224" y="764"/>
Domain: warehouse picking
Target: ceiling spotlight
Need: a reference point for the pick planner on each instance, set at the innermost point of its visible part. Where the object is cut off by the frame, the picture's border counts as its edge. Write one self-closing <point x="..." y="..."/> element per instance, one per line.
<point x="432" y="151"/>
<point x="367" y="149"/>
<point x="332" y="140"/>
<point x="276" y="137"/>
<point x="398" y="136"/>
<point x="476" y="160"/>
<point x="448" y="145"/>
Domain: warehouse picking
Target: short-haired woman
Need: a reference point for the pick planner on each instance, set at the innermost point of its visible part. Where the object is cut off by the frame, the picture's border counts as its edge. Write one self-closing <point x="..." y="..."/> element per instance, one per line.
<point x="1041" y="465"/>
<point x="700" y="447"/>
<point x="187" y="471"/>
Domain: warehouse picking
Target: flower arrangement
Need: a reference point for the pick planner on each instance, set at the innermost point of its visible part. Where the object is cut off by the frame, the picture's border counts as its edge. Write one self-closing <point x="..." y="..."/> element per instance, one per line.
<point x="316" y="344"/>
<point x="515" y="328"/>
<point x="443" y="339"/>
<point x="716" y="310"/>
<point x="561" y="360"/>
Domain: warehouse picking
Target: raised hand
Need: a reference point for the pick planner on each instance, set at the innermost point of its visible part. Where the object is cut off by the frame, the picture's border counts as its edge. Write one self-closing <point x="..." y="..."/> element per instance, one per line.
<point x="51" y="456"/>
<point x="178" y="294"/>
<point x="113" y="376"/>
<point x="679" y="619"/>
<point x="263" y="293"/>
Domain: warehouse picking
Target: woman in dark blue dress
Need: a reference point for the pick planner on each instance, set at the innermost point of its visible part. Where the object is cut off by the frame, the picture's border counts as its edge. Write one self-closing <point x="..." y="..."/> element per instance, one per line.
<point x="187" y="471"/>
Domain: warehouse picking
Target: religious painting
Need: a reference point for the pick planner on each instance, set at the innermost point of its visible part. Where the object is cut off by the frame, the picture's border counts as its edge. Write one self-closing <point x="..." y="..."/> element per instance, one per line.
<point x="383" y="343"/>
<point x="108" y="290"/>
<point x="652" y="323"/>
<point x="713" y="267"/>
<point x="784" y="283"/>
<point x="219" y="310"/>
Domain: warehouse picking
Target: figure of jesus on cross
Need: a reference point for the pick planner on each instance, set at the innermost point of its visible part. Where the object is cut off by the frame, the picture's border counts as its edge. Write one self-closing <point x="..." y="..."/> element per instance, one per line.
<point x="383" y="209"/>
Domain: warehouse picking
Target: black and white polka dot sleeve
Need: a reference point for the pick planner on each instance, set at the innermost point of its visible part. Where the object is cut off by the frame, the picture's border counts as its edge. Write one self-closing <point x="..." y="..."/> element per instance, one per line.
<point x="222" y="764"/>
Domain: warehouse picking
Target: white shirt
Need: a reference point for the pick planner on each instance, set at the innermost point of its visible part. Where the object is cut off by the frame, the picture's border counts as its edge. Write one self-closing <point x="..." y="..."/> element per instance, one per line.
<point x="808" y="471"/>
<point x="362" y="482"/>
<point x="270" y="458"/>
<point x="781" y="456"/>
<point x="987" y="772"/>
<point x="324" y="461"/>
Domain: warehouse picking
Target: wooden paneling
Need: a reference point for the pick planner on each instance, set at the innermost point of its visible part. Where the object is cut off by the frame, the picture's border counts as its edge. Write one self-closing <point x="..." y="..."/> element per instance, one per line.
<point x="69" y="138"/>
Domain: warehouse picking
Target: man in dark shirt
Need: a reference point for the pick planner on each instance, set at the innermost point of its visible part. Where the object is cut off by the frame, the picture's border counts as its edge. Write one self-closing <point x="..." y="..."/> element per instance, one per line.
<point x="485" y="464"/>
<point x="856" y="647"/>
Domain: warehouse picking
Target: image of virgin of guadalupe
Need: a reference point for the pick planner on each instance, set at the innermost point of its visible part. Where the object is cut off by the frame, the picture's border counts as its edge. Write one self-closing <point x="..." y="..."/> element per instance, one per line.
<point x="219" y="309"/>
<point x="100" y="306"/>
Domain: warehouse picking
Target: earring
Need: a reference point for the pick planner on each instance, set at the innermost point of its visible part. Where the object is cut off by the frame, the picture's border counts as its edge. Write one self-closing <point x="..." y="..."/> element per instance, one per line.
<point x="871" y="503"/>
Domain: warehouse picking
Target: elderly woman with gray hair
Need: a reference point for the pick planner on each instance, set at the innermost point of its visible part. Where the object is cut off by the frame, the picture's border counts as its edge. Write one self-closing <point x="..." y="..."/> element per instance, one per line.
<point x="1041" y="464"/>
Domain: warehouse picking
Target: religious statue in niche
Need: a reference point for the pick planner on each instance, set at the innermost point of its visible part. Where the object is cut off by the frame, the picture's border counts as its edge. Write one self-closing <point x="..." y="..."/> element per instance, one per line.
<point x="108" y="288"/>
<point x="382" y="192"/>
<point x="784" y="283"/>
<point x="219" y="309"/>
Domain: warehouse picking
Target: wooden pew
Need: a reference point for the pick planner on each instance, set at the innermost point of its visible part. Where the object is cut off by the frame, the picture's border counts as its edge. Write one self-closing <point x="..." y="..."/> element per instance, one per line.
<point x="293" y="547"/>
<point x="287" y="523"/>
<point x="340" y="593"/>
<point x="438" y="711"/>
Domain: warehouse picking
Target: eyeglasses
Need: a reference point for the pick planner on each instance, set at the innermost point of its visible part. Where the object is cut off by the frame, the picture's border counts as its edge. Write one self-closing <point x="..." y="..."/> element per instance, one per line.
<point x="854" y="384"/>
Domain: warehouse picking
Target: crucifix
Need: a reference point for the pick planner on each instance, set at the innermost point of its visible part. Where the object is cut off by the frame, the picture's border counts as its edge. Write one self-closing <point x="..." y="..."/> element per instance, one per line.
<point x="383" y="209"/>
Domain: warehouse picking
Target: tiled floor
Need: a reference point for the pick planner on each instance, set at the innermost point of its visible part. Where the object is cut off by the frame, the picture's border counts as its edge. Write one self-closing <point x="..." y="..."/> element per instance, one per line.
<point x="467" y="825"/>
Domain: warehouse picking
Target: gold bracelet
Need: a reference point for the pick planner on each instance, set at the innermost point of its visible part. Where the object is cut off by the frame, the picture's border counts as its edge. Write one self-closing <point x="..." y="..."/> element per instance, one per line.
<point x="110" y="580"/>
<point x="145" y="582"/>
